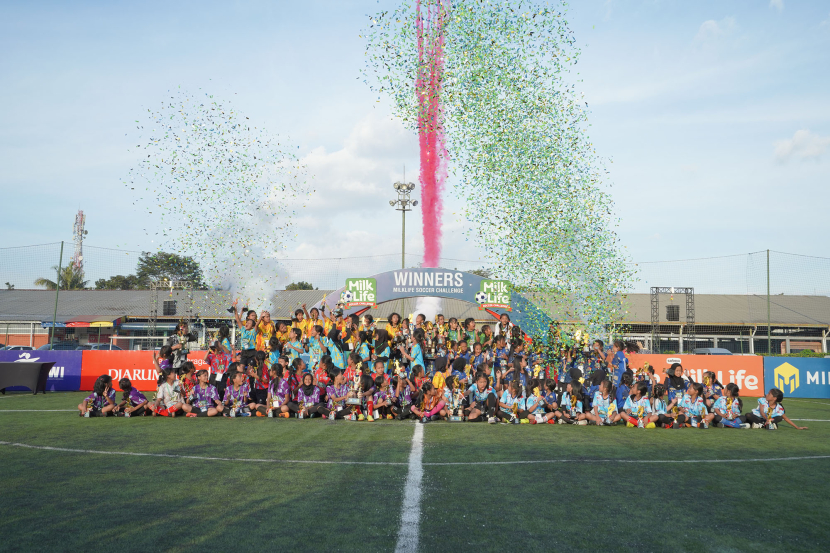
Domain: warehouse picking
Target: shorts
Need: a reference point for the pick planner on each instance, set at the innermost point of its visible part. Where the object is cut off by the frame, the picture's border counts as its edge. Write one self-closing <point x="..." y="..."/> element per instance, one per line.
<point x="259" y="396"/>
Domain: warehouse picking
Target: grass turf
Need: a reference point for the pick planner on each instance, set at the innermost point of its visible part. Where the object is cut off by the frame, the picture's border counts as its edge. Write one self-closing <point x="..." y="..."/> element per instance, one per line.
<point x="68" y="501"/>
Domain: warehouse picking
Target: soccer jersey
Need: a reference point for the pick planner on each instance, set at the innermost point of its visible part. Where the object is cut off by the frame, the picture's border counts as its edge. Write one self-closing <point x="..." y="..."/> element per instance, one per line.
<point x="337" y="357"/>
<point x="316" y="349"/>
<point x="696" y="408"/>
<point x="765" y="411"/>
<point x="479" y="396"/>
<point x="169" y="394"/>
<point x="236" y="398"/>
<point x="249" y="338"/>
<point x="638" y="407"/>
<point x="95" y="401"/>
<point x="620" y="364"/>
<point x="135" y="398"/>
<point x="385" y="352"/>
<point x="498" y="362"/>
<point x="309" y="399"/>
<point x="264" y="333"/>
<point x="605" y="405"/>
<point x="279" y="390"/>
<point x="510" y="401"/>
<point x="333" y="391"/>
<point x="570" y="404"/>
<point x="417" y="355"/>
<point x="204" y="398"/>
<point x="292" y="353"/>
<point x="730" y="407"/>
<point x="536" y="405"/>
<point x="659" y="407"/>
<point x="363" y="351"/>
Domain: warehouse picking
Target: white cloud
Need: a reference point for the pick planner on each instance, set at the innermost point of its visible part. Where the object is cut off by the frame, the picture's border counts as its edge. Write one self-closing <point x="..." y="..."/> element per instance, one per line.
<point x="777" y="4"/>
<point x="803" y="145"/>
<point x="711" y="30"/>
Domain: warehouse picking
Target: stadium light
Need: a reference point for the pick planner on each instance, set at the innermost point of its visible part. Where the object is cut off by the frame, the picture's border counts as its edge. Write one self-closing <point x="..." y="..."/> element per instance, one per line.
<point x="404" y="204"/>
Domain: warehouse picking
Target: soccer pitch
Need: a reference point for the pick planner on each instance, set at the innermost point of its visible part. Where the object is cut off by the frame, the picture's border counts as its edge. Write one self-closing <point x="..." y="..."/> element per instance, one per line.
<point x="145" y="484"/>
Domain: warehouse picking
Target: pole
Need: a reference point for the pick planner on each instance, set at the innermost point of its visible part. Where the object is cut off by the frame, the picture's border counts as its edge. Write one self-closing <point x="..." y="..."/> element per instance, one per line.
<point x="57" y="292"/>
<point x="769" y="341"/>
<point x="403" y="238"/>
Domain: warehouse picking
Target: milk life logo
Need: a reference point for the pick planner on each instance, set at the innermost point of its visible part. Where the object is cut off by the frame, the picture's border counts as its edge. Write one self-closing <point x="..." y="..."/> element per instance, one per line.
<point x="360" y="291"/>
<point x="494" y="294"/>
<point x="786" y="375"/>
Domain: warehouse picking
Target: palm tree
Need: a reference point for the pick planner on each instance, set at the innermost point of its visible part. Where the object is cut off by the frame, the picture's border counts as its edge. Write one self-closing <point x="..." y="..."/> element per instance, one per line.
<point x="70" y="279"/>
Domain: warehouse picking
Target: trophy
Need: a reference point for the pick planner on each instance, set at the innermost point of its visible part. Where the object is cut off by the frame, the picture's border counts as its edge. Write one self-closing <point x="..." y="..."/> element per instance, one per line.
<point x="300" y="412"/>
<point x="457" y="396"/>
<point x="514" y="411"/>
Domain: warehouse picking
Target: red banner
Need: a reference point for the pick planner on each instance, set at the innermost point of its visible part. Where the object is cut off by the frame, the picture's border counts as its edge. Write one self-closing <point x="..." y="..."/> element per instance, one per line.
<point x="137" y="366"/>
<point x="747" y="371"/>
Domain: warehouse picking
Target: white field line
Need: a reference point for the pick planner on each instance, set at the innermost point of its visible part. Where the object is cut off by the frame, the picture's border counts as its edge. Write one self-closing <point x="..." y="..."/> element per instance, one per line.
<point x="391" y="463"/>
<point x="807" y="401"/>
<point x="409" y="532"/>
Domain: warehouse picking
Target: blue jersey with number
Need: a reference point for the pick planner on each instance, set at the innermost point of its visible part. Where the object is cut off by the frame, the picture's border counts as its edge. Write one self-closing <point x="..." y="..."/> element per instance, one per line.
<point x="638" y="407"/>
<point x="605" y="405"/>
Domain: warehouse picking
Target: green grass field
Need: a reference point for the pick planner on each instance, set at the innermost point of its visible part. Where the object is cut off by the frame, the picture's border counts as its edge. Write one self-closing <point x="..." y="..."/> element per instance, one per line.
<point x="589" y="498"/>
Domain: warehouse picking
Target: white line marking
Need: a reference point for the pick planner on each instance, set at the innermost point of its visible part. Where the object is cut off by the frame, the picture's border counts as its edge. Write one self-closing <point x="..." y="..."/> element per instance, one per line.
<point x="812" y="420"/>
<point x="807" y="401"/>
<point x="392" y="463"/>
<point x="411" y="507"/>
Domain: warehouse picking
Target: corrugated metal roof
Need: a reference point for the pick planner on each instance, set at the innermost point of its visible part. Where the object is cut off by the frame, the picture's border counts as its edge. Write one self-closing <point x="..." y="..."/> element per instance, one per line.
<point x="710" y="309"/>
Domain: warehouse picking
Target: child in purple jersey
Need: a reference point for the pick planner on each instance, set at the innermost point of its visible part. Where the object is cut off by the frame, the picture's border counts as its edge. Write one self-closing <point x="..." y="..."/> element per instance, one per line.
<point x="336" y="392"/>
<point x="132" y="403"/>
<point x="380" y="398"/>
<point x="308" y="398"/>
<point x="279" y="391"/>
<point x="237" y="403"/>
<point x="163" y="359"/>
<point x="204" y="399"/>
<point x="101" y="402"/>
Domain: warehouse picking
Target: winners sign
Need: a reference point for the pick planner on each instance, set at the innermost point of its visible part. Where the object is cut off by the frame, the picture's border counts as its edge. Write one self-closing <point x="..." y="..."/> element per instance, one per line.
<point x="360" y="292"/>
<point x="493" y="294"/>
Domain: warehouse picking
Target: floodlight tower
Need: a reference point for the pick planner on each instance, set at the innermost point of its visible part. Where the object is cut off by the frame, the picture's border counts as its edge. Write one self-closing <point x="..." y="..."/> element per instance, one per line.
<point x="404" y="189"/>
<point x="78" y="234"/>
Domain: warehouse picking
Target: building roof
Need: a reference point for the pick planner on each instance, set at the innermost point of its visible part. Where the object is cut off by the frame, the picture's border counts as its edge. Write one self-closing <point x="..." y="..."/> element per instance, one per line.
<point x="110" y="305"/>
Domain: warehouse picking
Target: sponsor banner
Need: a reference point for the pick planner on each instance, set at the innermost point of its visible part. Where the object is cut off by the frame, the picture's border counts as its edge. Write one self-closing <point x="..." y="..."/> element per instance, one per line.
<point x="360" y="292"/>
<point x="798" y="377"/>
<point x="493" y="294"/>
<point x="745" y="371"/>
<point x="65" y="374"/>
<point x="137" y="366"/>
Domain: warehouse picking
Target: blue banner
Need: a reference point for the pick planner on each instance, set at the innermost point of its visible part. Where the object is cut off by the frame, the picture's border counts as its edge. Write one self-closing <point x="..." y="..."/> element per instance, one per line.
<point x="64" y="376"/>
<point x="798" y="377"/>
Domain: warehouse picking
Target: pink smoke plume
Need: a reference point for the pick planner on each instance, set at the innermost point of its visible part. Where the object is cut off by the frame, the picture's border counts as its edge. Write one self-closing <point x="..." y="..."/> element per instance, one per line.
<point x="430" y="125"/>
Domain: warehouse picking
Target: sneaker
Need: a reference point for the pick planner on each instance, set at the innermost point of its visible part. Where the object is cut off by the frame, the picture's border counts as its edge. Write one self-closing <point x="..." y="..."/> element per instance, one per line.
<point x="191" y="415"/>
<point x="244" y="414"/>
<point x="370" y="419"/>
<point x="526" y="421"/>
<point x="719" y="425"/>
<point x="772" y="426"/>
<point x="389" y="417"/>
<point x="629" y="424"/>
<point x="651" y="425"/>
<point x="539" y="419"/>
<point x="360" y="417"/>
<point x="606" y="422"/>
<point x="259" y="414"/>
<point x="756" y="426"/>
<point x="283" y="415"/>
<point x="561" y="421"/>
<point x="531" y="421"/>
<point x="746" y="425"/>
<point x="582" y="423"/>
<point x="492" y="420"/>
<point x="424" y="420"/>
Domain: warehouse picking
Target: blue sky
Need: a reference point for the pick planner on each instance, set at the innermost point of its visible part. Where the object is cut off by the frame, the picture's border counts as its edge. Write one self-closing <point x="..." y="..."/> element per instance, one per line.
<point x="715" y="115"/>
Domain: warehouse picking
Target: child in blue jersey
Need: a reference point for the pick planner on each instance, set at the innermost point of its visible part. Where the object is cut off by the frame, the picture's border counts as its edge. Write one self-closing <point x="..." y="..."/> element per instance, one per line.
<point x="694" y="407"/>
<point x="624" y="389"/>
<point x="535" y="403"/>
<point x="637" y="408"/>
<point x="482" y="400"/>
<point x="660" y="410"/>
<point x="619" y="362"/>
<point x="249" y="334"/>
<point x="551" y="400"/>
<point x="712" y="389"/>
<point x="570" y="406"/>
<point x="726" y="411"/>
<point x="363" y="349"/>
<point x="769" y="413"/>
<point x="674" y="383"/>
<point x="512" y="405"/>
<point x="294" y="347"/>
<point x="316" y="347"/>
<point x="517" y="372"/>
<point x="500" y="354"/>
<point x="478" y="357"/>
<point x="605" y="412"/>
<point x="336" y="348"/>
<point x="415" y="356"/>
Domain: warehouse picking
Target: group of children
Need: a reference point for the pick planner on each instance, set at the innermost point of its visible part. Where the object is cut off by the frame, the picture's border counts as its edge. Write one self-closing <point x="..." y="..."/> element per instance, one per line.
<point x="359" y="372"/>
